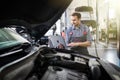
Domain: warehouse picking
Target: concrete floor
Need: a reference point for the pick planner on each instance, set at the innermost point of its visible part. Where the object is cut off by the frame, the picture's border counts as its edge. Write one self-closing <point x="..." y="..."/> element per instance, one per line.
<point x="108" y="53"/>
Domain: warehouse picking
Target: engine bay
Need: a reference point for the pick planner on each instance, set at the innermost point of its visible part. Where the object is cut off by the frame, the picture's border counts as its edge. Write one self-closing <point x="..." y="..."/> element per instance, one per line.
<point x="41" y="62"/>
<point x="52" y="65"/>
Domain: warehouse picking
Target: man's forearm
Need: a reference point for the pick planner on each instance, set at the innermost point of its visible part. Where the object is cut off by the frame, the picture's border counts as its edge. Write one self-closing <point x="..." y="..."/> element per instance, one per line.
<point x="83" y="44"/>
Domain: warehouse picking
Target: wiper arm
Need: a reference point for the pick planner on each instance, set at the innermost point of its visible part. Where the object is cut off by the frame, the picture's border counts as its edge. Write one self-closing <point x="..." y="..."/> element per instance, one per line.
<point x="9" y="53"/>
<point x="19" y="46"/>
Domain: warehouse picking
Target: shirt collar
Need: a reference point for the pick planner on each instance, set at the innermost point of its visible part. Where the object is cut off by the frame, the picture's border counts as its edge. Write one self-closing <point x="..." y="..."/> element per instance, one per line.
<point x="75" y="28"/>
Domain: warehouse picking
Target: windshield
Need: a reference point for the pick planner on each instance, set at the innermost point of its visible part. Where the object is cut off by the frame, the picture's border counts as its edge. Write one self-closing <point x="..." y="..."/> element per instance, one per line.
<point x="9" y="38"/>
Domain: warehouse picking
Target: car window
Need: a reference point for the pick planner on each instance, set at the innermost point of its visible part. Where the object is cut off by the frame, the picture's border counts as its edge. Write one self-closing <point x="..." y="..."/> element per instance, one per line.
<point x="4" y="36"/>
<point x="9" y="38"/>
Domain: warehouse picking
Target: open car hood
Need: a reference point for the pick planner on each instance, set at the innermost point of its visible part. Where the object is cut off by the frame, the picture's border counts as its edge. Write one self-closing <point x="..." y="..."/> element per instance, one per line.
<point x="36" y="15"/>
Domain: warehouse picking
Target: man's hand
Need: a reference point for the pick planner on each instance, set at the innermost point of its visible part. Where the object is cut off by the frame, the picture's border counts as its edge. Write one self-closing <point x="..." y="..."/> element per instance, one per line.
<point x="72" y="44"/>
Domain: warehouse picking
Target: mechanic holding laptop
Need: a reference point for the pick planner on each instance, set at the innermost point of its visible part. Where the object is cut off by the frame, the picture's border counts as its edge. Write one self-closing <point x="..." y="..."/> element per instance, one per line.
<point x="78" y="36"/>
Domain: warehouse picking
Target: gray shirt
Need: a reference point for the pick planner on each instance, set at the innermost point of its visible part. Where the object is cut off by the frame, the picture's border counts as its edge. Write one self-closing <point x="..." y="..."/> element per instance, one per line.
<point x="80" y="34"/>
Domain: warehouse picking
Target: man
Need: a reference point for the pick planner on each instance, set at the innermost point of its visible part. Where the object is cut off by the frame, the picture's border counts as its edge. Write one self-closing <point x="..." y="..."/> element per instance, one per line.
<point x="54" y="29"/>
<point x="78" y="36"/>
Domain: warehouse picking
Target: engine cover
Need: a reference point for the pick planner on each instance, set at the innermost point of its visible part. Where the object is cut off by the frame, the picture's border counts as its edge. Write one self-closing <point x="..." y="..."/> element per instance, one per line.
<point x="59" y="73"/>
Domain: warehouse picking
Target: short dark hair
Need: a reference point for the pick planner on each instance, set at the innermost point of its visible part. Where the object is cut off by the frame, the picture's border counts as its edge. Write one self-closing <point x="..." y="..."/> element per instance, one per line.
<point x="76" y="14"/>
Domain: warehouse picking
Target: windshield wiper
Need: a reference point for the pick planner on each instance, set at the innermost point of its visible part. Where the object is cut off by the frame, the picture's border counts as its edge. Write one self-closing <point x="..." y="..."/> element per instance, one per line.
<point x="20" y="46"/>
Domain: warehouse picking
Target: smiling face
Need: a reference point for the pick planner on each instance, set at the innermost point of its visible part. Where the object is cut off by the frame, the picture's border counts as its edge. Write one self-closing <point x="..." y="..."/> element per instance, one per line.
<point x="75" y="21"/>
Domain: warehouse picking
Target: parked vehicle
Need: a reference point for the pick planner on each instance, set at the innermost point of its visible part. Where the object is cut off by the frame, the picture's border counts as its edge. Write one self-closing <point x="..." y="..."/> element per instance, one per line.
<point x="23" y="58"/>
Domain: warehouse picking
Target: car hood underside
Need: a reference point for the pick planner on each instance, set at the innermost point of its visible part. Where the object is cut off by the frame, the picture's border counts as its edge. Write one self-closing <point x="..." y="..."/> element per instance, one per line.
<point x="36" y="15"/>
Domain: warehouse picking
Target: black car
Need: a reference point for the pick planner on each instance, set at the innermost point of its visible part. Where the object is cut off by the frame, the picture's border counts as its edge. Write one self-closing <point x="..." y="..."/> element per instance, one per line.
<point x="23" y="58"/>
